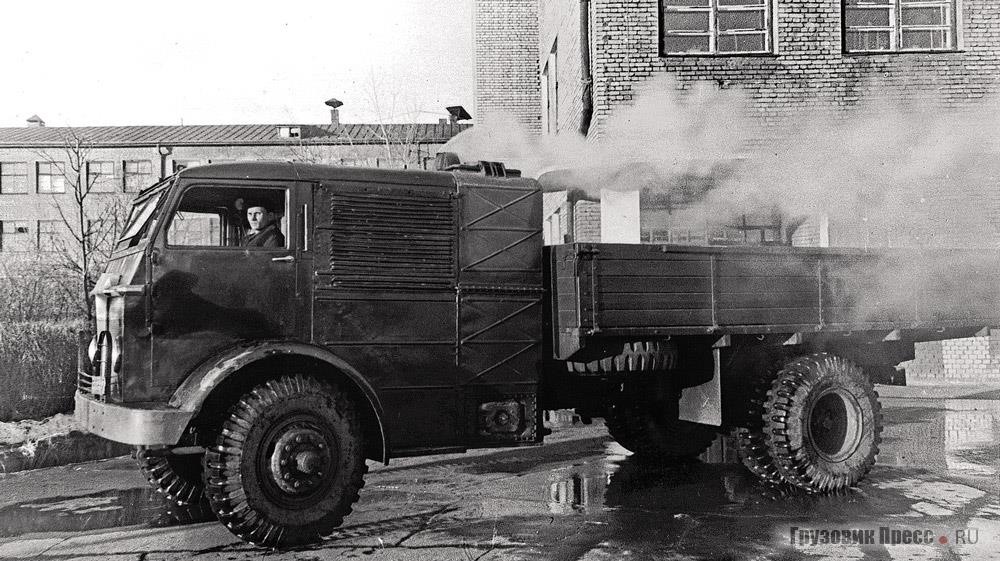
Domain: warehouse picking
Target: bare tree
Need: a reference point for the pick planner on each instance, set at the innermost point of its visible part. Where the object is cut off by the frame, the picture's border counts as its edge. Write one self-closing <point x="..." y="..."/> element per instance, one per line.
<point x="91" y="226"/>
<point x="398" y="145"/>
<point x="400" y="141"/>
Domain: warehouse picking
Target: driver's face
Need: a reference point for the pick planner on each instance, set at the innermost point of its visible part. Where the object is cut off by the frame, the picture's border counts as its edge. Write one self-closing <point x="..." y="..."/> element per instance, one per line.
<point x="258" y="217"/>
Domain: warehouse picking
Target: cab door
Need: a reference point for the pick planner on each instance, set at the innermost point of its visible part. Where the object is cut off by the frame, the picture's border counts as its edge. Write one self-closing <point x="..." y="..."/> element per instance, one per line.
<point x="209" y="291"/>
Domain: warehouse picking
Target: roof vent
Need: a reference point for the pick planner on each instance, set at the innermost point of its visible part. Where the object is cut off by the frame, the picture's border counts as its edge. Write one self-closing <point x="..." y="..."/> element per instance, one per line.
<point x="449" y="161"/>
<point x="289" y="131"/>
<point x="334" y="105"/>
<point x="458" y="113"/>
<point x="35" y="121"/>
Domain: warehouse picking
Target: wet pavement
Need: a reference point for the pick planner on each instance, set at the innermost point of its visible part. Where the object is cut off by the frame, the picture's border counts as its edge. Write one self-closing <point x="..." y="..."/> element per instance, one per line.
<point x="578" y="497"/>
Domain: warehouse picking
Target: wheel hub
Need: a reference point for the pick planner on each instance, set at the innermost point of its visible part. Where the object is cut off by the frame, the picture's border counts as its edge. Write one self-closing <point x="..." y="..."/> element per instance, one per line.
<point x="834" y="425"/>
<point x="300" y="459"/>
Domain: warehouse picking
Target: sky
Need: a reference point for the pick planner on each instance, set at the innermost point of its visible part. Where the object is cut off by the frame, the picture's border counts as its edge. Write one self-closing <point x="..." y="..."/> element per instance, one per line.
<point x="111" y="62"/>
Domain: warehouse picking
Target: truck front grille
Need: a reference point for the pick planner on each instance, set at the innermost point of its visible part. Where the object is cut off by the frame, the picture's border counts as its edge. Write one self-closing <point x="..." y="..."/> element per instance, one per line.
<point x="86" y="382"/>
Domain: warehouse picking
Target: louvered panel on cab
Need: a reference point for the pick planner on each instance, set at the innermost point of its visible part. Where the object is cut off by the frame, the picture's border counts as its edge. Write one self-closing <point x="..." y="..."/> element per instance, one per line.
<point x="391" y="238"/>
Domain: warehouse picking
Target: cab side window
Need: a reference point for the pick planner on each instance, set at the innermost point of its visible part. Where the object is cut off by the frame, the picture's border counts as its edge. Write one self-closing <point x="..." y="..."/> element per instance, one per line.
<point x="246" y="218"/>
<point x="197" y="228"/>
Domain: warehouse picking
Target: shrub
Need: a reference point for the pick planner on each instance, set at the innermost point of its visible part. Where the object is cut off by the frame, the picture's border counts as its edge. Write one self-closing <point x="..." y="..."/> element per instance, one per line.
<point x="38" y="366"/>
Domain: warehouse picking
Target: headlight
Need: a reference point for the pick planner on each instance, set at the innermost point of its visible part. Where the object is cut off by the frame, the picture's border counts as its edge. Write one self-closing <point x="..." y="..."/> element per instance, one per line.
<point x="92" y="350"/>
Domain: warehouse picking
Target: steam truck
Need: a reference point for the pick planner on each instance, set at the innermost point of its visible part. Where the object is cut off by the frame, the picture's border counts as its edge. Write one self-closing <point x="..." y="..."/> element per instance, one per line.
<point x="417" y="312"/>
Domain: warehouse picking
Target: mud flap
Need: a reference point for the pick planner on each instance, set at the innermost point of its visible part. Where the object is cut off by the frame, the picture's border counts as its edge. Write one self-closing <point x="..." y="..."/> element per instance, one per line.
<point x="703" y="403"/>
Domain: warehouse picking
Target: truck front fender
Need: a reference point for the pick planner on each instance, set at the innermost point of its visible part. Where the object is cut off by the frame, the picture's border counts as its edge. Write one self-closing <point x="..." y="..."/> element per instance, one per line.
<point x="192" y="393"/>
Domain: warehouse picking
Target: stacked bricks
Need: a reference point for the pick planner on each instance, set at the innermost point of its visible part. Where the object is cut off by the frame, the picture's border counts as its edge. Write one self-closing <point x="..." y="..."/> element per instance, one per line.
<point x="587" y="222"/>
<point x="968" y="427"/>
<point x="507" y="64"/>
<point x="972" y="360"/>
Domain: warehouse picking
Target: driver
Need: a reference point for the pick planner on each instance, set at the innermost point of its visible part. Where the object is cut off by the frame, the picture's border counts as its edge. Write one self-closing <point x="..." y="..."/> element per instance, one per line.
<point x="264" y="230"/>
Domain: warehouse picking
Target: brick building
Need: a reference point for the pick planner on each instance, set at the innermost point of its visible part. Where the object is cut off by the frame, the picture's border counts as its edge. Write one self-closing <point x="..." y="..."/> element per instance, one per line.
<point x="593" y="58"/>
<point x="843" y="59"/>
<point x="506" y="49"/>
<point x="785" y="54"/>
<point x="39" y="165"/>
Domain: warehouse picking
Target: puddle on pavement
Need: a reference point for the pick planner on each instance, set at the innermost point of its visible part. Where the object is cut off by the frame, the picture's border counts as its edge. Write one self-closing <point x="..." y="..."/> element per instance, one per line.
<point x="111" y="509"/>
<point x="623" y="483"/>
<point x="959" y="437"/>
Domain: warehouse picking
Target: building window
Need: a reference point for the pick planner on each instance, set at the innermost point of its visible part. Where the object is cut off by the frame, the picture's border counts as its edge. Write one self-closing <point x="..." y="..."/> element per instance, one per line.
<point x="101" y="177"/>
<point x="49" y="235"/>
<point x="13" y="177"/>
<point x="136" y="174"/>
<point x="550" y="92"/>
<point x="898" y="25"/>
<point x="14" y="236"/>
<point x="716" y="27"/>
<point x="51" y="178"/>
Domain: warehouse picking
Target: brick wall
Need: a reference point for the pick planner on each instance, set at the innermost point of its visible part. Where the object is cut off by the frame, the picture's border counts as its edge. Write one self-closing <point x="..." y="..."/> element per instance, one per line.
<point x="507" y="63"/>
<point x="809" y="68"/>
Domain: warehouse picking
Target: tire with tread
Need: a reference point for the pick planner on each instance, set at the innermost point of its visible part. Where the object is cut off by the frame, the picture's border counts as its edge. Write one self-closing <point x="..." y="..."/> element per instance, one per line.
<point x="754" y="448"/>
<point x="636" y="356"/>
<point x="288" y="462"/>
<point x="179" y="478"/>
<point x="823" y="423"/>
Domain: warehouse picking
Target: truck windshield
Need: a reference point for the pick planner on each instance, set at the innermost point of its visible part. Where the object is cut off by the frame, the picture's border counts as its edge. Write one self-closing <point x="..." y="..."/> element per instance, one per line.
<point x="141" y="218"/>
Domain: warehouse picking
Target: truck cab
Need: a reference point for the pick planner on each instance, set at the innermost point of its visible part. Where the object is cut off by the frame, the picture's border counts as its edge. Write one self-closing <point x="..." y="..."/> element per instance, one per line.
<point x="411" y="299"/>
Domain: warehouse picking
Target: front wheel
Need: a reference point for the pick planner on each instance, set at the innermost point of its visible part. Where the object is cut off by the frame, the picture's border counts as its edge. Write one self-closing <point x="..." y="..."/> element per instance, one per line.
<point x="823" y="423"/>
<point x="177" y="477"/>
<point x="288" y="462"/>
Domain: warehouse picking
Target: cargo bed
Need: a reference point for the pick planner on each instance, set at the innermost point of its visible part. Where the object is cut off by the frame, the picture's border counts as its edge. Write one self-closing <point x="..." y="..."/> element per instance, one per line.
<point x="649" y="291"/>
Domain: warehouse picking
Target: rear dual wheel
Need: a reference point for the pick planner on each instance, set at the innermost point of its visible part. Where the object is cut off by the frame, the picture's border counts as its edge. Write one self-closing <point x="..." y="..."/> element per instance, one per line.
<point x="820" y="428"/>
<point x="644" y="417"/>
<point x="652" y="434"/>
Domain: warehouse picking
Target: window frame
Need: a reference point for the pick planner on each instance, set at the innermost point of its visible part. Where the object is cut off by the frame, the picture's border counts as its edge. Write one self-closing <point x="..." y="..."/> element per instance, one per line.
<point x="126" y="174"/>
<point x="713" y="9"/>
<point x="896" y="28"/>
<point x="285" y="221"/>
<point x="550" y="90"/>
<point x="60" y="172"/>
<point x="103" y="182"/>
<point x="51" y="235"/>
<point x="3" y="174"/>
<point x="4" y="244"/>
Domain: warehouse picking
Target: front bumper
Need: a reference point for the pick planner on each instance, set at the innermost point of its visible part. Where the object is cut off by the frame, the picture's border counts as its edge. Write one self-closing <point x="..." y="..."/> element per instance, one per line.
<point x="136" y="425"/>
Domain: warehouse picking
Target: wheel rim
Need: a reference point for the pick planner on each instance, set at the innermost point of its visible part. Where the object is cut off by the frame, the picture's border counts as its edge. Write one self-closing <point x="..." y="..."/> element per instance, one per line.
<point x="834" y="425"/>
<point x="298" y="460"/>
